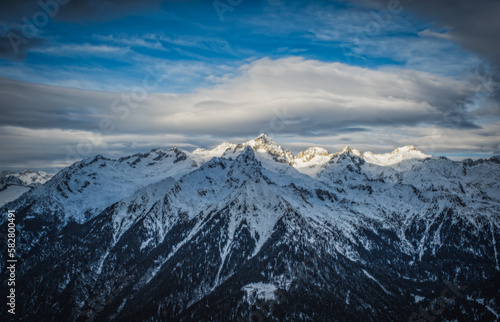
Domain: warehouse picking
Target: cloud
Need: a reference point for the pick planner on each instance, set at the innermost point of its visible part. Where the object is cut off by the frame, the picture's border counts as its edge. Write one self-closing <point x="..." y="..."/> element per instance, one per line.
<point x="29" y="18"/>
<point x="76" y="10"/>
<point x="285" y="97"/>
<point x="82" y="49"/>
<point x="320" y="96"/>
<point x="472" y="24"/>
<point x="14" y="46"/>
<point x="149" y="41"/>
<point x="361" y="36"/>
<point x="432" y="140"/>
<point x="440" y="35"/>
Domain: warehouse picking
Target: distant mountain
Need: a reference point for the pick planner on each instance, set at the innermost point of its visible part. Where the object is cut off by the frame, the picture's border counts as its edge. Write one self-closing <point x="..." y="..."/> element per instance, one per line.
<point x="250" y="232"/>
<point x="14" y="184"/>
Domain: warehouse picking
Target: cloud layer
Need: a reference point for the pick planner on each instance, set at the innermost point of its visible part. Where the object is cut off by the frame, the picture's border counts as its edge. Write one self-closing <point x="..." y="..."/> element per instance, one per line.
<point x="285" y="97"/>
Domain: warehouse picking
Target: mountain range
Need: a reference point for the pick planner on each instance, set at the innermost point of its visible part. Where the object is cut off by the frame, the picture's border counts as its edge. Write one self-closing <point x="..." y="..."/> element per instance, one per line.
<point x="15" y="184"/>
<point x="250" y="232"/>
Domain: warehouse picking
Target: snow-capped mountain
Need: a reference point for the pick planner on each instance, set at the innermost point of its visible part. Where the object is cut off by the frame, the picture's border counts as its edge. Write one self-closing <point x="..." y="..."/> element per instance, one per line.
<point x="250" y="232"/>
<point x="14" y="184"/>
<point x="261" y="144"/>
<point x="310" y="161"/>
<point x="28" y="177"/>
<point x="397" y="156"/>
<point x="83" y="190"/>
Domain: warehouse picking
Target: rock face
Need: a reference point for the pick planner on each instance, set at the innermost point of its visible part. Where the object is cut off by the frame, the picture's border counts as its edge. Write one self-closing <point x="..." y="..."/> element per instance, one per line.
<point x="311" y="153"/>
<point x="244" y="236"/>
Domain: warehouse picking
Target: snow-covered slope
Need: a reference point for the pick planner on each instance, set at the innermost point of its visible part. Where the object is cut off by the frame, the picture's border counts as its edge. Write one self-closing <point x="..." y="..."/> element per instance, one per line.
<point x="248" y="230"/>
<point x="29" y="177"/>
<point x="262" y="144"/>
<point x="309" y="161"/>
<point x="15" y="184"/>
<point x="83" y="190"/>
<point x="216" y="152"/>
<point x="400" y="154"/>
<point x="12" y="192"/>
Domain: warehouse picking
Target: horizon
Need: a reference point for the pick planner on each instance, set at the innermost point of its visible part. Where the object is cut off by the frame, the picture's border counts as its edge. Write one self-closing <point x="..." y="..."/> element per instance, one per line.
<point x="336" y="149"/>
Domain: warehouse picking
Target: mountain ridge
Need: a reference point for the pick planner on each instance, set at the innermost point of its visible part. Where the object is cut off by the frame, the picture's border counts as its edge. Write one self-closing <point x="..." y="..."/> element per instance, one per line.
<point x="193" y="236"/>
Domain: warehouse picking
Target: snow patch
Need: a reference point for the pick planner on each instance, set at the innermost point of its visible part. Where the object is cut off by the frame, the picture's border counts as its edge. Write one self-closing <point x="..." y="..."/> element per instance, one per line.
<point x="376" y="281"/>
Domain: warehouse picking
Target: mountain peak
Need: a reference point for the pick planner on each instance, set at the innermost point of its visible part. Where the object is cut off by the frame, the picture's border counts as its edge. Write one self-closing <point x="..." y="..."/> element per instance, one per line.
<point x="227" y="214"/>
<point x="348" y="150"/>
<point x="247" y="156"/>
<point x="399" y="154"/>
<point x="404" y="149"/>
<point x="264" y="144"/>
<point x="308" y="161"/>
<point x="345" y="149"/>
<point x="263" y="139"/>
<point x="310" y="153"/>
<point x="263" y="136"/>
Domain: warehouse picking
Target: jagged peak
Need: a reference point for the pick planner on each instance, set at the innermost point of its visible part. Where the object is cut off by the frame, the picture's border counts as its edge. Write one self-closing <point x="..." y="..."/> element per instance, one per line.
<point x="29" y="171"/>
<point x="247" y="152"/>
<point x="406" y="148"/>
<point x="264" y="143"/>
<point x="397" y="155"/>
<point x="213" y="162"/>
<point x="400" y="150"/>
<point x="263" y="136"/>
<point x="218" y="151"/>
<point x="261" y="144"/>
<point x="345" y="149"/>
<point x="225" y="146"/>
<point x="262" y="139"/>
<point x="247" y="156"/>
<point x="311" y="153"/>
<point x="93" y="159"/>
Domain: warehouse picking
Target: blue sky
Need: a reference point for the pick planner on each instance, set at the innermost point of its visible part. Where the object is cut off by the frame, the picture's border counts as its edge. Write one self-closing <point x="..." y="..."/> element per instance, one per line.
<point x="202" y="56"/>
<point x="191" y="43"/>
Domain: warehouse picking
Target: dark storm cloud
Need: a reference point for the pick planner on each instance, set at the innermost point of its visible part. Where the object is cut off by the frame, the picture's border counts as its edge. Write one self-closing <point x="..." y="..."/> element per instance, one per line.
<point x="475" y="25"/>
<point x="14" y="46"/>
<point x="27" y="18"/>
<point x="74" y="10"/>
<point x="78" y="10"/>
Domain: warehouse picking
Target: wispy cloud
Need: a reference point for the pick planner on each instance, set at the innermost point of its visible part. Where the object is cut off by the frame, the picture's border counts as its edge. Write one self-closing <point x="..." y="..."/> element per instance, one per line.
<point x="82" y="49"/>
<point x="131" y="41"/>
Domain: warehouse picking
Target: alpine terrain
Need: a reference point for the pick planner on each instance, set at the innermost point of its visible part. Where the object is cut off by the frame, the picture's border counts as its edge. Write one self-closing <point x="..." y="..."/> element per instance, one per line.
<point x="13" y="185"/>
<point x="250" y="232"/>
